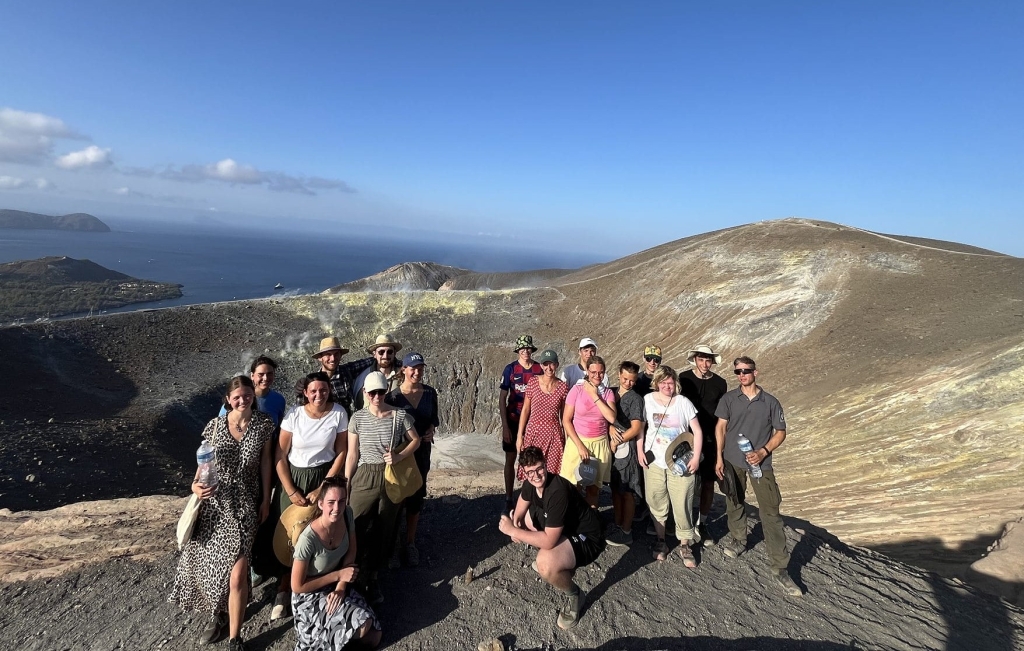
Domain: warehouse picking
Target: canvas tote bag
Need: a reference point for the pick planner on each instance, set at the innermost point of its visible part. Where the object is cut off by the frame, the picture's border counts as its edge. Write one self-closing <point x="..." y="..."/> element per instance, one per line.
<point x="402" y="479"/>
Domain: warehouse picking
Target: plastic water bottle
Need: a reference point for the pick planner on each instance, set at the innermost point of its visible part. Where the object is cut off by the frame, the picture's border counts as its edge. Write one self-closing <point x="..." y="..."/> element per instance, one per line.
<point x="206" y="456"/>
<point x="746" y="447"/>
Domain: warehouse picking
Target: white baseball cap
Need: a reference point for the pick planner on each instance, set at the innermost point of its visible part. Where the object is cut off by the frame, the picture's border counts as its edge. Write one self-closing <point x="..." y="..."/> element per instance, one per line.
<point x="587" y="341"/>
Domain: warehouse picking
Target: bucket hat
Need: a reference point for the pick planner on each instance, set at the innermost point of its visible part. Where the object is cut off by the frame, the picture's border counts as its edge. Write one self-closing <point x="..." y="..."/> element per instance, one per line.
<point x="525" y="341"/>
<point x="329" y="345"/>
<point x="675" y="452"/>
<point x="585" y="474"/>
<point x="702" y="349"/>
<point x="293" y="520"/>
<point x="384" y="340"/>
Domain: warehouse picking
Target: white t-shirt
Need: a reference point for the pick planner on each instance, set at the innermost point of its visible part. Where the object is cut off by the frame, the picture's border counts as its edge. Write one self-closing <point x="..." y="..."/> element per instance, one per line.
<point x="313" y="438"/>
<point x="664" y="424"/>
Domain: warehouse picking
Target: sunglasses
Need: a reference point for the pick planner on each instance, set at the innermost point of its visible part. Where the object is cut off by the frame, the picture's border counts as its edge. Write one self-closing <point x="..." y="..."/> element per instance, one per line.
<point x="385" y="352"/>
<point x="743" y="371"/>
<point x="652" y="358"/>
<point x="376" y="393"/>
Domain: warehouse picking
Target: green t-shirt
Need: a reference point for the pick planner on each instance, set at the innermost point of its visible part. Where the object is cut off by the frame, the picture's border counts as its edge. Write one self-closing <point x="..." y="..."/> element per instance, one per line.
<point x="321" y="560"/>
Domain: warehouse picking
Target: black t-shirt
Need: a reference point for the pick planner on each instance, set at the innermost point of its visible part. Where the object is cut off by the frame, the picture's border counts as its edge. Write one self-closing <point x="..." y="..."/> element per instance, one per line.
<point x="704" y="394"/>
<point x="643" y="384"/>
<point x="563" y="506"/>
<point x="628" y="407"/>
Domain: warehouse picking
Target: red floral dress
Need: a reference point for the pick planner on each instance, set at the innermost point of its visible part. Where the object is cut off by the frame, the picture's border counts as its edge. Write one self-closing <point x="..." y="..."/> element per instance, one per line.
<point x="544" y="429"/>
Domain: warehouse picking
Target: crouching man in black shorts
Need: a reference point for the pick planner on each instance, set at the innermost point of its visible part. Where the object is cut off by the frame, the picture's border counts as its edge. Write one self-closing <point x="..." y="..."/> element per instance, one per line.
<point x="552" y="516"/>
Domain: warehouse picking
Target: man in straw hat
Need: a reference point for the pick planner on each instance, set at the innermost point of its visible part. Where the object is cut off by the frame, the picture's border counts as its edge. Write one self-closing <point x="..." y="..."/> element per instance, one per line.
<point x="342" y="375"/>
<point x="704" y="389"/>
<point x="552" y="516"/>
<point x="385" y="359"/>
<point x="514" y="379"/>
<point x="757" y="415"/>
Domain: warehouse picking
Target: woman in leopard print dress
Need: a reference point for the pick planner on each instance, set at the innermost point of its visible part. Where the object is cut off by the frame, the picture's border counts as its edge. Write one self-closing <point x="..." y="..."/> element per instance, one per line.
<point x="213" y="572"/>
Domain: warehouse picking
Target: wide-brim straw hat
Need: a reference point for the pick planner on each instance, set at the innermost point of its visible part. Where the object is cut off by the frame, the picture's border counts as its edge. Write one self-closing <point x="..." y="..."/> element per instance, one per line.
<point x="329" y="345"/>
<point x="293" y="520"/>
<point x="702" y="349"/>
<point x="384" y="340"/>
<point x="670" y="451"/>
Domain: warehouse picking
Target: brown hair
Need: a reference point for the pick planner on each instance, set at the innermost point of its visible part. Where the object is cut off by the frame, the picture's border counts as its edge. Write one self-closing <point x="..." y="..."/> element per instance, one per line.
<point x="596" y="359"/>
<point x="531" y="456"/>
<point x="260" y="361"/>
<point x="303" y="384"/>
<point x="237" y="382"/>
<point x="629" y="367"/>
<point x="745" y="360"/>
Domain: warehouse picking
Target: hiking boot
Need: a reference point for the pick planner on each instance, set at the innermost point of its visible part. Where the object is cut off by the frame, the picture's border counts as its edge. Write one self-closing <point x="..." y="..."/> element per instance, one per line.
<point x="214" y="629"/>
<point x="733" y="548"/>
<point x="236" y="644"/>
<point x="282" y="606"/>
<point x="619" y="538"/>
<point x="570" y="615"/>
<point x="705" y="535"/>
<point x="412" y="555"/>
<point x="788" y="585"/>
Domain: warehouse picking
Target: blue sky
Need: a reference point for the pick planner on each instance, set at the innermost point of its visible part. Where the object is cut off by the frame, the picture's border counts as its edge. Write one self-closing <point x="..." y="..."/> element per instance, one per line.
<point x="613" y="126"/>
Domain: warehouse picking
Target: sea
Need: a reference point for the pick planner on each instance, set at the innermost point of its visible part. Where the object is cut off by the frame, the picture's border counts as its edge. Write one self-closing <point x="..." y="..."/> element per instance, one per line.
<point x="216" y="264"/>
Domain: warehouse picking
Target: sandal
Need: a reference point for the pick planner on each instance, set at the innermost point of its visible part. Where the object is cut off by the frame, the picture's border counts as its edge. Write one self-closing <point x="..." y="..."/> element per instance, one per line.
<point x="686" y="554"/>
<point x="660" y="550"/>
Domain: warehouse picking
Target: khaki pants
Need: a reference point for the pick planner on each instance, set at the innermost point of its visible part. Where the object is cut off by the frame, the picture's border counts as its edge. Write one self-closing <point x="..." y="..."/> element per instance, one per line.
<point x="376" y="518"/>
<point x="664" y="488"/>
<point x="768" y="501"/>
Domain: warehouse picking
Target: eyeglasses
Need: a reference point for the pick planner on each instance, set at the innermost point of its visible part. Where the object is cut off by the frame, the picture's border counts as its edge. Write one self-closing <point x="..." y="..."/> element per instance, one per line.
<point x="385" y="352"/>
<point x="376" y="393"/>
<point x="534" y="474"/>
<point x="743" y="371"/>
<point x="652" y="358"/>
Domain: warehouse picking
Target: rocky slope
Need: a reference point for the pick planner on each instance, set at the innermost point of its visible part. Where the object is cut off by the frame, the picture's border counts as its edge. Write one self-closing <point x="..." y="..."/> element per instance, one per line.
<point x="899" y="363"/>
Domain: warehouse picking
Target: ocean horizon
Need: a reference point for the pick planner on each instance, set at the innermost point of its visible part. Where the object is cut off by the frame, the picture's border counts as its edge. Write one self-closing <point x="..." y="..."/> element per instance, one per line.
<point x="222" y="263"/>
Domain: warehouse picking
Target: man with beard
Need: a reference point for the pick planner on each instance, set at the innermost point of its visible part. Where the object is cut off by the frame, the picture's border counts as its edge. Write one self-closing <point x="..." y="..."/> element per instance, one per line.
<point x="342" y="375"/>
<point x="704" y="389"/>
<point x="385" y="359"/>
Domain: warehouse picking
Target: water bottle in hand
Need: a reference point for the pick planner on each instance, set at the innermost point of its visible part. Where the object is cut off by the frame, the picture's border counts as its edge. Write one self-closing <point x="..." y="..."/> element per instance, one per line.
<point x="206" y="456"/>
<point x="746" y="448"/>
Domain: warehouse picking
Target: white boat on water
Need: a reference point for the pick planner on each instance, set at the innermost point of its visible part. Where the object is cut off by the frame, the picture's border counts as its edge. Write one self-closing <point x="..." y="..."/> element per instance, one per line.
<point x="278" y="286"/>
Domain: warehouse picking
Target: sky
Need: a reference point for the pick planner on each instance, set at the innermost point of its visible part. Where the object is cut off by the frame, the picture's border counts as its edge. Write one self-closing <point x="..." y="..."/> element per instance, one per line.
<point x="600" y="126"/>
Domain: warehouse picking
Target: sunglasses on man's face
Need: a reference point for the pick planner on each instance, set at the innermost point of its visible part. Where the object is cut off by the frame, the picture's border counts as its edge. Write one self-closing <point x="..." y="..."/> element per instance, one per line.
<point x="652" y="358"/>
<point x="385" y="352"/>
<point x="743" y="371"/>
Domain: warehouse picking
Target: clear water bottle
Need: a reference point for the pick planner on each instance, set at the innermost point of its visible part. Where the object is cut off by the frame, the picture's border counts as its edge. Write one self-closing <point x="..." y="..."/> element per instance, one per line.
<point x="206" y="456"/>
<point x="745" y="448"/>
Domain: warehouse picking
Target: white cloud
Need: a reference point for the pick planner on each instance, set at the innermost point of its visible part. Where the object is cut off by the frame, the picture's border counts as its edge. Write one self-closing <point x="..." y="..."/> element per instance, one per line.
<point x="28" y="137"/>
<point x="11" y="183"/>
<point x="124" y="192"/>
<point x="92" y="157"/>
<point x="43" y="184"/>
<point x="234" y="173"/>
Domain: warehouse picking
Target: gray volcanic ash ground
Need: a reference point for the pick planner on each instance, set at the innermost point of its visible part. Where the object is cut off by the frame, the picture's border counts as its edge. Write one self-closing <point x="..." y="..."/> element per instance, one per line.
<point x="899" y="363"/>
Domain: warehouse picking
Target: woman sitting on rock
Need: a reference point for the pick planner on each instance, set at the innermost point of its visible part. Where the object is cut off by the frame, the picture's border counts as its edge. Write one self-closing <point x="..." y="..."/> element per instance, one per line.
<point x="540" y="424"/>
<point x="213" y="572"/>
<point x="374" y="435"/>
<point x="311" y="447"/>
<point x="329" y="613"/>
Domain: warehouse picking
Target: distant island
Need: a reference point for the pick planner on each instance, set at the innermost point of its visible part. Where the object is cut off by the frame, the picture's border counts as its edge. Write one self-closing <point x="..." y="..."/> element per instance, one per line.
<point x="78" y="221"/>
<point x="57" y="286"/>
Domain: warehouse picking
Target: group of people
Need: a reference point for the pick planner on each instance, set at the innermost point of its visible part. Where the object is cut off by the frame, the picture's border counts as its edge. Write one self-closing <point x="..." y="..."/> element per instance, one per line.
<point x="660" y="438"/>
<point x="330" y="451"/>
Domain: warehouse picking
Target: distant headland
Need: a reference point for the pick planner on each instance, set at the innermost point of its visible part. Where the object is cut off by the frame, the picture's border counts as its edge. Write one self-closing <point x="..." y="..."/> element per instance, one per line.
<point x="57" y="286"/>
<point x="78" y="221"/>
